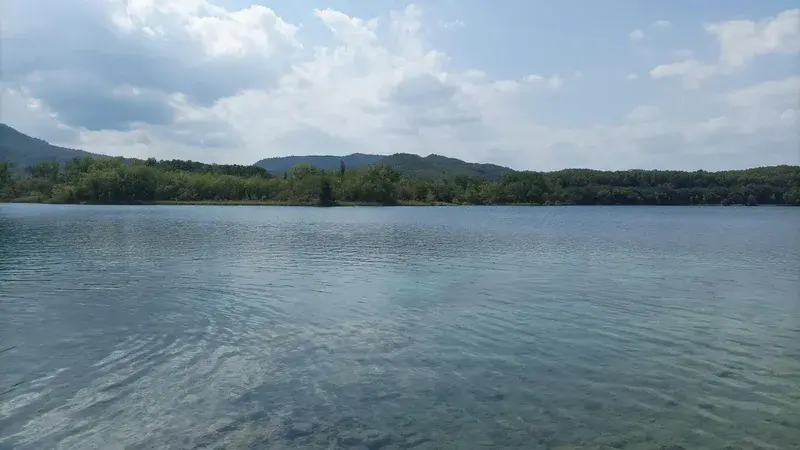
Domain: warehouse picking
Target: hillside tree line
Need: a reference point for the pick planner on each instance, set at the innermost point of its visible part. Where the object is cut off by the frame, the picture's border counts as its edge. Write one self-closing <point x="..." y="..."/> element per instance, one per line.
<point x="115" y="181"/>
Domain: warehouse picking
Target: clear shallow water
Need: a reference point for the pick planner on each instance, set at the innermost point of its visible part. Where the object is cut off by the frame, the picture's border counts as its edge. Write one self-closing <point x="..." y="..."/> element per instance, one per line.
<point x="386" y="328"/>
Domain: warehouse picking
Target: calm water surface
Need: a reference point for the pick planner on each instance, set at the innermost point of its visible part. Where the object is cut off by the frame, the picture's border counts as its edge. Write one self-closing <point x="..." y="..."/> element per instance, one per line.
<point x="389" y="328"/>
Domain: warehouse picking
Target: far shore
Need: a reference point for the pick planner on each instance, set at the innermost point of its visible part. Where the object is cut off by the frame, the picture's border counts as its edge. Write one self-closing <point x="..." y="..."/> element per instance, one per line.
<point x="335" y="204"/>
<point x="277" y="203"/>
<point x="260" y="203"/>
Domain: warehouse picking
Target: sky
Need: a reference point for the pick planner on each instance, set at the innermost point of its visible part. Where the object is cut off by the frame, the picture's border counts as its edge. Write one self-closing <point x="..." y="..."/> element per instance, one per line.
<point x="531" y="84"/>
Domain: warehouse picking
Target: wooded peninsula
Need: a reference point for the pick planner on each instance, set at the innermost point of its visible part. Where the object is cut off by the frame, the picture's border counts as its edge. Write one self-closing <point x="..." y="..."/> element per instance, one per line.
<point x="117" y="181"/>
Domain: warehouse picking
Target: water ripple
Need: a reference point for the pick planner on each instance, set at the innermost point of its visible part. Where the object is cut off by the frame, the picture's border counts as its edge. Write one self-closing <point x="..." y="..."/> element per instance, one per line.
<point x="384" y="328"/>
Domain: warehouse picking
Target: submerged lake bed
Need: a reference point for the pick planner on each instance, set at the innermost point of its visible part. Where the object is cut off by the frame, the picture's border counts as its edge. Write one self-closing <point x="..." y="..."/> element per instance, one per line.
<point x="386" y="328"/>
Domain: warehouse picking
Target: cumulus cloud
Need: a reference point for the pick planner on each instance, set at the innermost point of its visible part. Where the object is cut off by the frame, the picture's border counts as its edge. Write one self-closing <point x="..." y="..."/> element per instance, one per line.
<point x="740" y="41"/>
<point x="196" y="79"/>
<point x="743" y="40"/>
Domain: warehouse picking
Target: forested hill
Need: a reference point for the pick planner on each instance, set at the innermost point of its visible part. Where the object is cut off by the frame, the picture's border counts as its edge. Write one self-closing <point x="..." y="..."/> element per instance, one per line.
<point x="39" y="171"/>
<point x="21" y="150"/>
<point x="437" y="166"/>
<point x="112" y="180"/>
<point x="281" y="164"/>
<point x="408" y="165"/>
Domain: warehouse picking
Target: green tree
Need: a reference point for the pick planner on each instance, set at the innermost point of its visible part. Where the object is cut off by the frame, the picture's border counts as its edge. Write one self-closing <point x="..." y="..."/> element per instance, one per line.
<point x="6" y="176"/>
<point x="792" y="196"/>
<point x="114" y="180"/>
<point x="326" y="194"/>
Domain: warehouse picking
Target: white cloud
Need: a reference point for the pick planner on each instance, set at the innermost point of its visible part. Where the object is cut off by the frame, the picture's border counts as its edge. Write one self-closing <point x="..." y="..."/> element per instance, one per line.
<point x="32" y="115"/>
<point x="554" y="82"/>
<point x="241" y="85"/>
<point x="254" y="29"/>
<point x="662" y="24"/>
<point x="636" y="35"/>
<point x="222" y="32"/>
<point x="774" y="94"/>
<point x="452" y="25"/>
<point x="21" y="103"/>
<point x="632" y="76"/>
<point x="691" y="71"/>
<point x="740" y="42"/>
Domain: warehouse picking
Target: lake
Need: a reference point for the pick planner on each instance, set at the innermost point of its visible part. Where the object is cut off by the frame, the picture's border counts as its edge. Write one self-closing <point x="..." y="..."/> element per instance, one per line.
<point x="190" y="327"/>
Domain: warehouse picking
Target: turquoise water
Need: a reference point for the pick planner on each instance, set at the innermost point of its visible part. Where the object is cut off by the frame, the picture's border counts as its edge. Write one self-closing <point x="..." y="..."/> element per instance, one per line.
<point x="386" y="328"/>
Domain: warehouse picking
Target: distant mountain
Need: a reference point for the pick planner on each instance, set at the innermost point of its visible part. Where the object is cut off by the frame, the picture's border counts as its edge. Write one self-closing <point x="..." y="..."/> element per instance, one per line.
<point x="409" y="165"/>
<point x="435" y="166"/>
<point x="22" y="150"/>
<point x="328" y="162"/>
